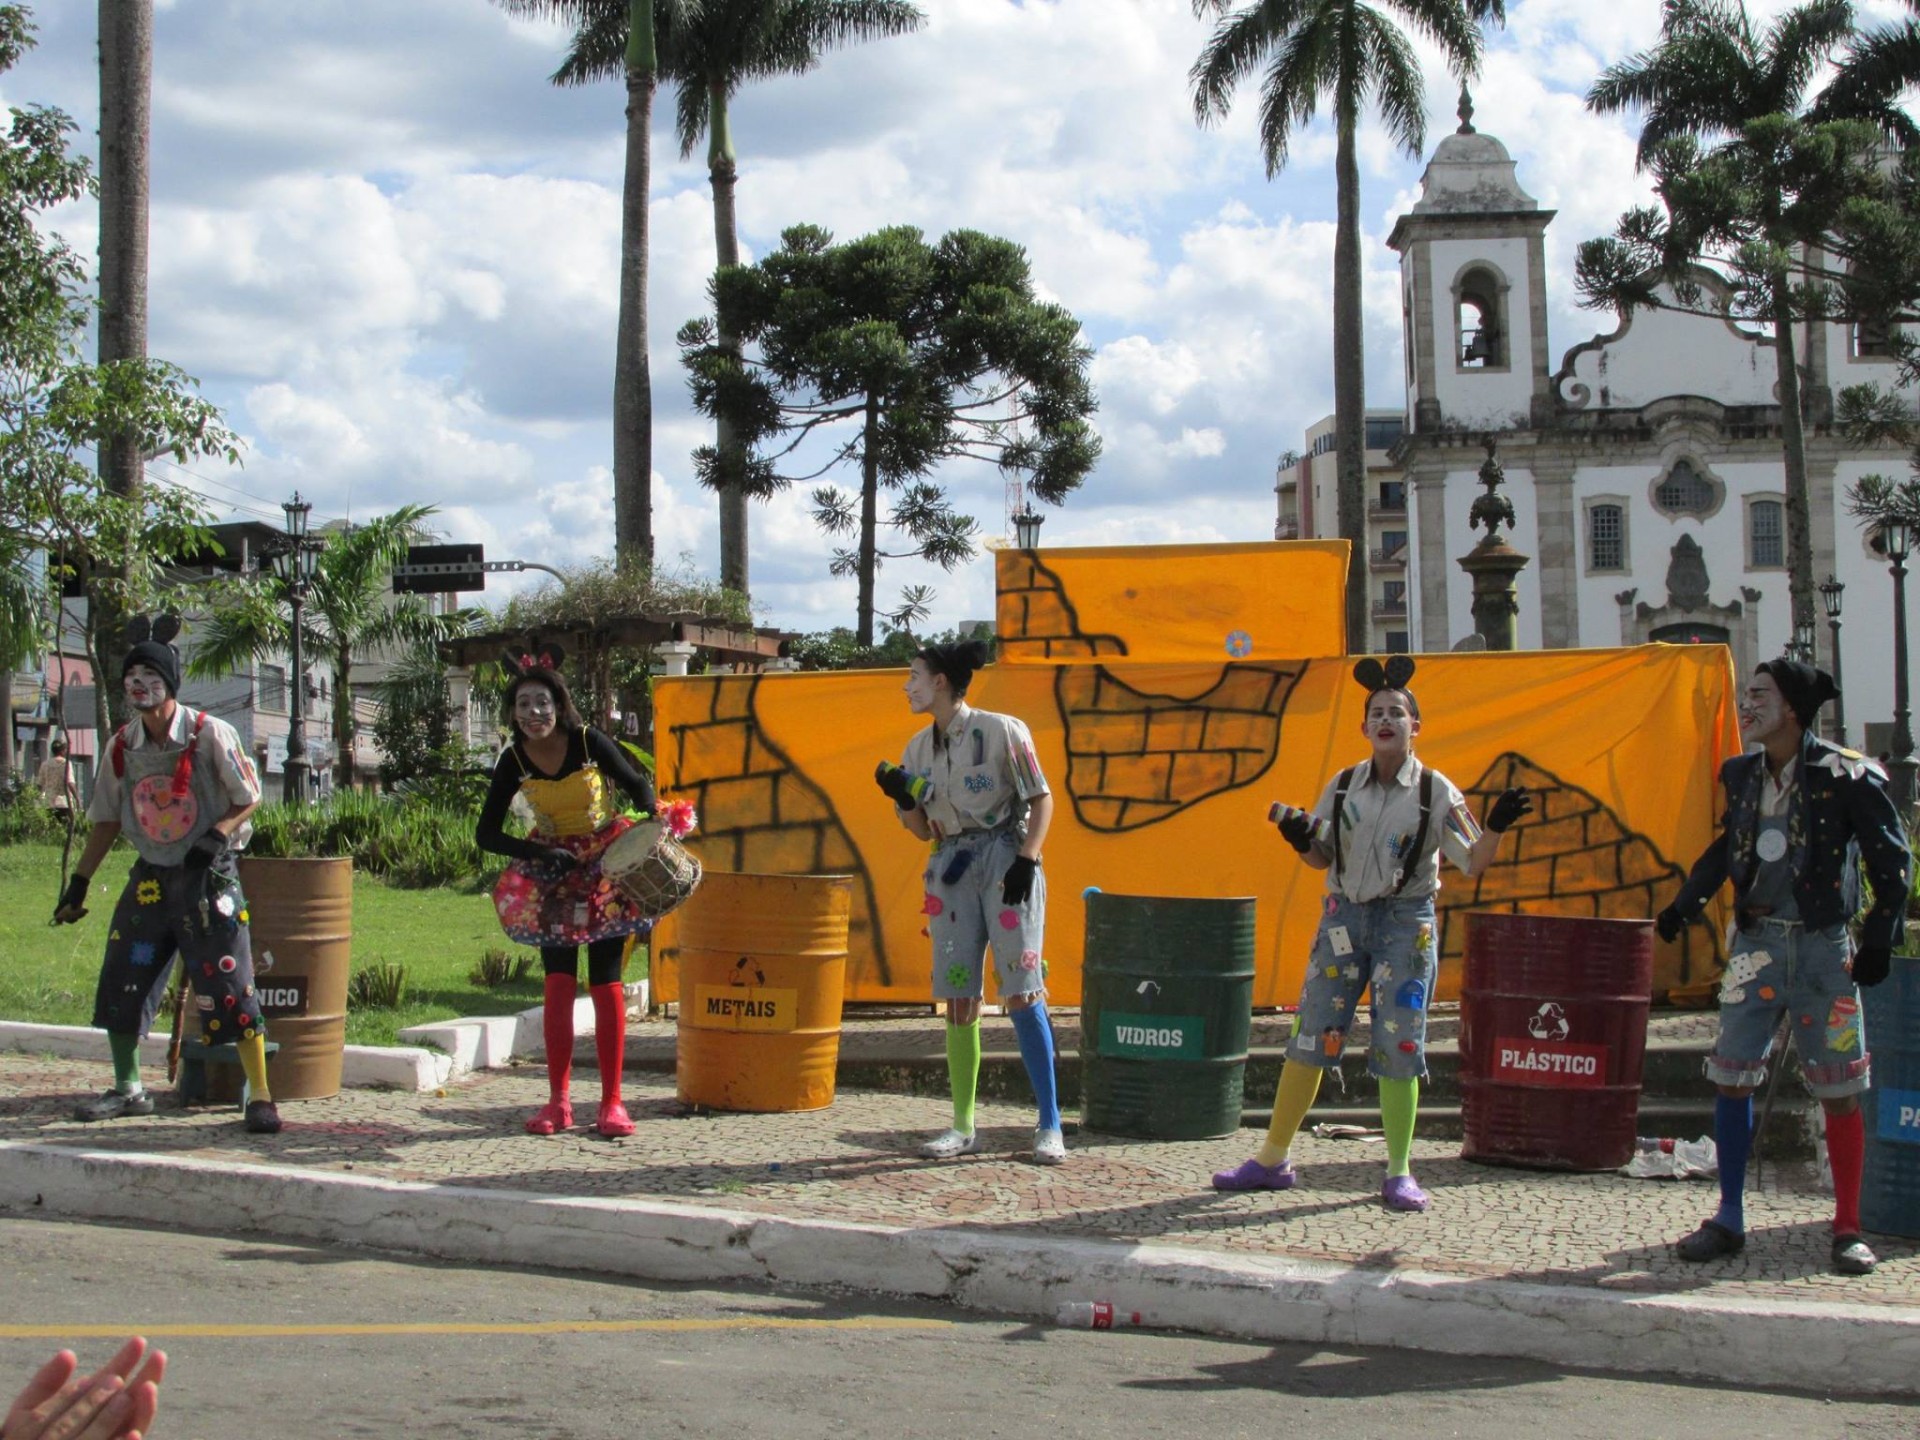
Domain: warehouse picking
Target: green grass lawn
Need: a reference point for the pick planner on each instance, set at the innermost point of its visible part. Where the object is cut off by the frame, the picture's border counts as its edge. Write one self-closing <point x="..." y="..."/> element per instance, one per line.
<point x="47" y="972"/>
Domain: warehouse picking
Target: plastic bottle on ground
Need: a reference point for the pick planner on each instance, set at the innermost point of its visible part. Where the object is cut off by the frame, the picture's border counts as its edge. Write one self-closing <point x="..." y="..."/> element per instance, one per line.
<point x="1094" y="1315"/>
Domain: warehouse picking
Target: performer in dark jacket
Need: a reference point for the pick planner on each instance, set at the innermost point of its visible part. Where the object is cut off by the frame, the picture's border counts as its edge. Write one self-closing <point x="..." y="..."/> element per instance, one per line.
<point x="1801" y="817"/>
<point x="554" y="894"/>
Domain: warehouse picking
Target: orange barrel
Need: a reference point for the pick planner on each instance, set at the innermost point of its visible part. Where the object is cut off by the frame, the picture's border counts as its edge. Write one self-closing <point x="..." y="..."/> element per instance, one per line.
<point x="763" y="965"/>
<point x="1553" y="1029"/>
<point x="301" y="913"/>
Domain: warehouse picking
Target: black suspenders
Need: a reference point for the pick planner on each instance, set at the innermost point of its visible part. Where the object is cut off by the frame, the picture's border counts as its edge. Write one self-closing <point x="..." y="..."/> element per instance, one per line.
<point x="1407" y="861"/>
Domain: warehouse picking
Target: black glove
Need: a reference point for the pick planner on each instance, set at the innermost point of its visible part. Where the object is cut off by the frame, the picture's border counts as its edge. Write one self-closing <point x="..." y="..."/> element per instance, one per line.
<point x="1509" y="807"/>
<point x="1016" y="886"/>
<point x="1669" y="923"/>
<point x="1871" y="964"/>
<point x="906" y="791"/>
<point x="1296" y="826"/>
<point x="204" y="851"/>
<point x="557" y="860"/>
<point x="73" y="900"/>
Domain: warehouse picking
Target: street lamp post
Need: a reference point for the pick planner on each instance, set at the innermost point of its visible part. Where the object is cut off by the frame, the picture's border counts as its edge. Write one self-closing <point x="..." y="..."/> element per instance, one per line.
<point x="1026" y="529"/>
<point x="1830" y="597"/>
<point x="1896" y="535"/>
<point x="1802" y="647"/>
<point x="293" y="562"/>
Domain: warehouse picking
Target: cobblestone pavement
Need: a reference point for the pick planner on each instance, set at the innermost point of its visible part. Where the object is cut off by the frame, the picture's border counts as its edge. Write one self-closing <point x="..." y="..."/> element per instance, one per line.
<point x="854" y="1162"/>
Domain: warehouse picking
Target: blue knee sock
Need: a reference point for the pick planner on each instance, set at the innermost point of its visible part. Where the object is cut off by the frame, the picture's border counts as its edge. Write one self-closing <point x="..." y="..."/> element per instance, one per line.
<point x="1733" y="1138"/>
<point x="1036" y="1049"/>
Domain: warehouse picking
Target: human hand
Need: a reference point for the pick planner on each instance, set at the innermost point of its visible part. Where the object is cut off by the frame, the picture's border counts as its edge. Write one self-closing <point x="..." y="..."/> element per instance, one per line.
<point x="906" y="791"/>
<point x="72" y="906"/>
<point x="1669" y="923"/>
<point x="557" y="860"/>
<point x="1016" y="886"/>
<point x="1297" y="827"/>
<point x="110" y="1404"/>
<point x="207" y="849"/>
<point x="1871" y="964"/>
<point x="1510" y="805"/>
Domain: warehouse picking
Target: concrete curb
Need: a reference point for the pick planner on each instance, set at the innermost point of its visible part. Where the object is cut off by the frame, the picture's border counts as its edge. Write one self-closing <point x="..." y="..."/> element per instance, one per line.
<point x="399" y="1067"/>
<point x="1811" y="1346"/>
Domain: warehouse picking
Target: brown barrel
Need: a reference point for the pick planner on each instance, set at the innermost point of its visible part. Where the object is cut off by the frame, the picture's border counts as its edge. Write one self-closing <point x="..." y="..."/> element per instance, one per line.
<point x="763" y="965"/>
<point x="1553" y="1030"/>
<point x="301" y="912"/>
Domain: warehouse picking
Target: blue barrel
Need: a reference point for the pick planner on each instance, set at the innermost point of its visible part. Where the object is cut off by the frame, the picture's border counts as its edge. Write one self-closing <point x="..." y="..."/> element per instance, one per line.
<point x="1890" y="1190"/>
<point x="1166" y="1007"/>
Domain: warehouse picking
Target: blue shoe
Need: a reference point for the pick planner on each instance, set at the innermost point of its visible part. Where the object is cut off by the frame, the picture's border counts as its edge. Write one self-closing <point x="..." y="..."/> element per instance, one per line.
<point x="1252" y="1175"/>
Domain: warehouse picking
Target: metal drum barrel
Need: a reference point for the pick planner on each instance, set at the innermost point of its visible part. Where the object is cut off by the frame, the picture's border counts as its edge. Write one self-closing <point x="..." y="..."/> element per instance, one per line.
<point x="763" y="966"/>
<point x="1890" y="1188"/>
<point x="301" y="912"/>
<point x="1553" y="1030"/>
<point x="1165" y="1012"/>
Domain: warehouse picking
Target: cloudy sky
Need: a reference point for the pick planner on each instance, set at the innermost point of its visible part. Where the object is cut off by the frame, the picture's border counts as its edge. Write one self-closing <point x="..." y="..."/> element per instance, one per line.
<point x="389" y="249"/>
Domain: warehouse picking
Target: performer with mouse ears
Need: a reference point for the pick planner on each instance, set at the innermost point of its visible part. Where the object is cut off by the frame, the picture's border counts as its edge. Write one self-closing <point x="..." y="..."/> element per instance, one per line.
<point x="1378" y="831"/>
<point x="554" y="894"/>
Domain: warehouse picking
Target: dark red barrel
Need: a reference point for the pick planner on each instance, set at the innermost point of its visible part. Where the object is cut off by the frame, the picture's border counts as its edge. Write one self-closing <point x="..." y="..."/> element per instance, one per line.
<point x="1553" y="1029"/>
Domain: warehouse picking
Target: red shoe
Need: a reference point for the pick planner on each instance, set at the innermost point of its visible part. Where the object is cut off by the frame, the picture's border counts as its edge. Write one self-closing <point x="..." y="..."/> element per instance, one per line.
<point x="614" y="1122"/>
<point x="554" y="1116"/>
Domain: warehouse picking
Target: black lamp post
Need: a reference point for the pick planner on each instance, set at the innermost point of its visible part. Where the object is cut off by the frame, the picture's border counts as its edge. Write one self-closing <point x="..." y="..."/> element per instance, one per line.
<point x="293" y="562"/>
<point x="1801" y="647"/>
<point x="1026" y="529"/>
<point x="1830" y="597"/>
<point x="1896" y="536"/>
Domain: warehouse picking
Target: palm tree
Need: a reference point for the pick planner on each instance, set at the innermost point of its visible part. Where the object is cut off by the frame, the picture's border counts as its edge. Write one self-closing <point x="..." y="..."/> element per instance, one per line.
<point x="1714" y="79"/>
<point x="1350" y="52"/>
<point x="1880" y="66"/>
<point x="638" y="62"/>
<point x="710" y="55"/>
<point x="348" y="611"/>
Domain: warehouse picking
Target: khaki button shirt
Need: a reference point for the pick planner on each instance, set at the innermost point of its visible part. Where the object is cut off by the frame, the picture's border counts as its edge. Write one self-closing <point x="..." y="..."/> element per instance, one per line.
<point x="219" y="747"/>
<point x="983" y="771"/>
<point x="1379" y="826"/>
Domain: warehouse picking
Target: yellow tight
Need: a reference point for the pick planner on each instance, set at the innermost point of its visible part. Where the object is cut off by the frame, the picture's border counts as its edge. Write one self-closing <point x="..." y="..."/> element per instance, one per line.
<point x="253" y="1060"/>
<point x="1298" y="1085"/>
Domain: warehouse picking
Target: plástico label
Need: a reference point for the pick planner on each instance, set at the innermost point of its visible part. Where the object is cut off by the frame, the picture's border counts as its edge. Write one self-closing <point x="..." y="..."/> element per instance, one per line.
<point x="745" y="1007"/>
<point x="1153" y="1037"/>
<point x="282" y="995"/>
<point x="1552" y="1064"/>
<point x="1899" y="1115"/>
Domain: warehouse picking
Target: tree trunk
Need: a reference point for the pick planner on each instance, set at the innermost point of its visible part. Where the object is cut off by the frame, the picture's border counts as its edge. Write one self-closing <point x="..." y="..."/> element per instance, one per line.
<point x="869" y="518"/>
<point x="632" y="377"/>
<point x="126" y="86"/>
<point x="6" y="720"/>
<point x="1793" y="442"/>
<point x="344" y="772"/>
<point x="723" y="172"/>
<point x="1350" y="382"/>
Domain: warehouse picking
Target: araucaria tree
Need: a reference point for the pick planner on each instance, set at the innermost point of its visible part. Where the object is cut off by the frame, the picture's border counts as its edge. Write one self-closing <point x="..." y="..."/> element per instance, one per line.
<point x="1754" y="193"/>
<point x="899" y="356"/>
<point x="1350" y="53"/>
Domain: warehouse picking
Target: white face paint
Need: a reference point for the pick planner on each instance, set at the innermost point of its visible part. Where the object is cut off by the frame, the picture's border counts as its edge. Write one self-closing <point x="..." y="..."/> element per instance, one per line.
<point x="534" y="711"/>
<point x="922" y="686"/>
<point x="1764" y="716"/>
<point x="145" y="688"/>
<point x="1390" y="724"/>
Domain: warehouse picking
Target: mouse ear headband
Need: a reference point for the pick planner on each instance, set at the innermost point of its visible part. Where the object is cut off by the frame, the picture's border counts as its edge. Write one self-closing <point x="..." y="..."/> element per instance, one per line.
<point x="536" y="657"/>
<point x="1394" y="675"/>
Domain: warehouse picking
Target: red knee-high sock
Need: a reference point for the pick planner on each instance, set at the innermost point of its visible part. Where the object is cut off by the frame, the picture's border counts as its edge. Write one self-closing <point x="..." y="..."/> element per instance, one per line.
<point x="1847" y="1151"/>
<point x="557" y="1023"/>
<point x="610" y="1034"/>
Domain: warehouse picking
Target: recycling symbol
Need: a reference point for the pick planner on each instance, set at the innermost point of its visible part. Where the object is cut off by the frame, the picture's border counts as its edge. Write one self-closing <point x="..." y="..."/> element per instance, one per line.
<point x="1549" y="1022"/>
<point x="743" y="966"/>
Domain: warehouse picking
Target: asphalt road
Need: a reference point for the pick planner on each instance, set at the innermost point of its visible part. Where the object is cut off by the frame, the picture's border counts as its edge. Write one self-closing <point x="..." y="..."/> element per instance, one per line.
<point x="269" y="1340"/>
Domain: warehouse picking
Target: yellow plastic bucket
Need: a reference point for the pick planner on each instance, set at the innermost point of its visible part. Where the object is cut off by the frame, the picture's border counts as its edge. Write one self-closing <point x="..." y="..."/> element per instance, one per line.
<point x="763" y="965"/>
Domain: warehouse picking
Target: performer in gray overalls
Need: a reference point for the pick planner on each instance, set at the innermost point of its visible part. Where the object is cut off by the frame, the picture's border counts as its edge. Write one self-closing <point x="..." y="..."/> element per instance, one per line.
<point x="971" y="783"/>
<point x="176" y="783"/>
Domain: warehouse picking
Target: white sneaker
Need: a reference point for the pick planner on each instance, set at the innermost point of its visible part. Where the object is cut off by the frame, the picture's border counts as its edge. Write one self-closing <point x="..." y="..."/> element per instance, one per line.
<point x="1049" y="1147"/>
<point x="950" y="1145"/>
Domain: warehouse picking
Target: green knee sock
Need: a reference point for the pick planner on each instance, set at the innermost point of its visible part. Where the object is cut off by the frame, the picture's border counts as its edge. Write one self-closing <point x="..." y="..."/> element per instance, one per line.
<point x="126" y="1062"/>
<point x="963" y="1072"/>
<point x="1399" y="1104"/>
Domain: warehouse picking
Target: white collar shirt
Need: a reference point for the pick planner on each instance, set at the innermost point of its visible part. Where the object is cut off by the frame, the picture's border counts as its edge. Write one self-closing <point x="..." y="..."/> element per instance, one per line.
<point x="982" y="769"/>
<point x="1777" y="794"/>
<point x="1377" y="830"/>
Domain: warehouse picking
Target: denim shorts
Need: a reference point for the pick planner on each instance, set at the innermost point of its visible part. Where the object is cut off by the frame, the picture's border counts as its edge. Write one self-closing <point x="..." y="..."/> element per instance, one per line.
<point x="966" y="917"/>
<point x="1776" y="968"/>
<point x="1388" y="944"/>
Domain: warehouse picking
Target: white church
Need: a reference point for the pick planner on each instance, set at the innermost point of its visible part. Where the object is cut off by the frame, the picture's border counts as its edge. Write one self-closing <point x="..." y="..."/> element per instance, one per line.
<point x="1644" y="466"/>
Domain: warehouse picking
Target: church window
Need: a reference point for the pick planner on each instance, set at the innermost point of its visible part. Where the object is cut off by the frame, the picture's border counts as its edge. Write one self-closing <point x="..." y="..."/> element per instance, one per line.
<point x="1871" y="340"/>
<point x="1606" y="538"/>
<point x="1766" y="535"/>
<point x="1684" y="491"/>
<point x="1479" y="321"/>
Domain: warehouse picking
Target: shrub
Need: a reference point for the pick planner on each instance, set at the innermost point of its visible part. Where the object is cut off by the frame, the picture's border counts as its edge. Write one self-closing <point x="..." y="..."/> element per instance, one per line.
<point x="408" y="842"/>
<point x="381" y="985"/>
<point x="500" y="968"/>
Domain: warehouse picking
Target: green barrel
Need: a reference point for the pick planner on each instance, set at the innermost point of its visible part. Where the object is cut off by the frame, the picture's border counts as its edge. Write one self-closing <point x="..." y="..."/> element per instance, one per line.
<point x="1166" y="1007"/>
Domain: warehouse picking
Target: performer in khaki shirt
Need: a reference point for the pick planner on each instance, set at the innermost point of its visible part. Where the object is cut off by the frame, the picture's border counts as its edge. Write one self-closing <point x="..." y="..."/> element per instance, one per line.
<point x="1378" y="831"/>
<point x="971" y="783"/>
